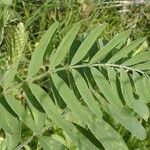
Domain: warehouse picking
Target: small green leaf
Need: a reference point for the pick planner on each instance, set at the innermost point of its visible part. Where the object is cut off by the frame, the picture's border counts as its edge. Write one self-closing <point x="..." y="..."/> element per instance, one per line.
<point x="125" y="118"/>
<point x="66" y="93"/>
<point x="141" y="90"/>
<point x="143" y="66"/>
<point x="50" y="144"/>
<point x="64" y="46"/>
<point x="86" y="94"/>
<point x="13" y="123"/>
<point x="9" y="75"/>
<point x="146" y="81"/>
<point x="126" y="50"/>
<point x="118" y="39"/>
<point x="87" y="44"/>
<point x="142" y="48"/>
<point x="104" y="87"/>
<point x="137" y="104"/>
<point x="110" y="139"/>
<point x="21" y="113"/>
<point x="3" y="122"/>
<point x="145" y="56"/>
<point x="38" y="54"/>
<point x="36" y="109"/>
<point x="112" y="75"/>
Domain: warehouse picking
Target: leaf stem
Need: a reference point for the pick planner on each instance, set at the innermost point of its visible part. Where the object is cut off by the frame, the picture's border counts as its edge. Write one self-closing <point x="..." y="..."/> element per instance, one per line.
<point x="55" y="70"/>
<point x="107" y="65"/>
<point x="30" y="138"/>
<point x="25" y="143"/>
<point x="83" y="66"/>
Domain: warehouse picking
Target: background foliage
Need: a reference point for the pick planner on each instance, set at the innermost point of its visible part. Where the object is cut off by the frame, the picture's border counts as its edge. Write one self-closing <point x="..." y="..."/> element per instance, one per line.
<point x="23" y="23"/>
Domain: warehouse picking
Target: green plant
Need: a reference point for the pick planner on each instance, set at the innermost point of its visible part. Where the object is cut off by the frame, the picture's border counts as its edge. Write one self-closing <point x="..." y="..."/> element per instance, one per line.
<point x="71" y="94"/>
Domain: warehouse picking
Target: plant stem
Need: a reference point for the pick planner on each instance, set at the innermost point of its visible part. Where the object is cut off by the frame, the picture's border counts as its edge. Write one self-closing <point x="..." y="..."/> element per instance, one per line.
<point x="25" y="143"/>
<point x="55" y="70"/>
<point x="34" y="135"/>
<point x="83" y="66"/>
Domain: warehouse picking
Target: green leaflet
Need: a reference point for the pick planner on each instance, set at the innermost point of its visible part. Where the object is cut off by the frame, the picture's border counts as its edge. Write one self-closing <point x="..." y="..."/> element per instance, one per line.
<point x="138" y="105"/>
<point x="87" y="44"/>
<point x="3" y="122"/>
<point x="86" y="94"/>
<point x="141" y="89"/>
<point x="145" y="56"/>
<point x="144" y="66"/>
<point x="53" y="113"/>
<point x="141" y="49"/>
<point x="126" y="50"/>
<point x="21" y="113"/>
<point x="118" y="39"/>
<point x="9" y="75"/>
<point x="85" y="127"/>
<point x="64" y="46"/>
<point x="69" y="98"/>
<point x="125" y="118"/>
<point x="36" y="108"/>
<point x="3" y="145"/>
<point x="1" y="35"/>
<point x="49" y="107"/>
<point x="109" y="138"/>
<point x="14" y="124"/>
<point x="105" y="88"/>
<point x="112" y="75"/>
<point x="38" y="54"/>
<point x="14" y="139"/>
<point x="50" y="144"/>
<point x="146" y="81"/>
